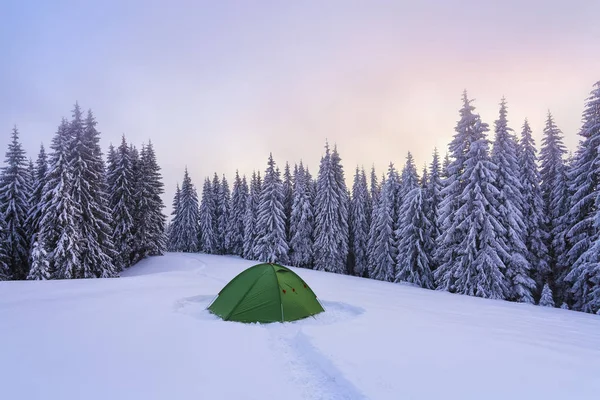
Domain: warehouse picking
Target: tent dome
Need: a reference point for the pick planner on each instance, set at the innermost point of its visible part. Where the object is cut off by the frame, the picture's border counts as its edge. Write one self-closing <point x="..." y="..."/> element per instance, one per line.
<point x="266" y="293"/>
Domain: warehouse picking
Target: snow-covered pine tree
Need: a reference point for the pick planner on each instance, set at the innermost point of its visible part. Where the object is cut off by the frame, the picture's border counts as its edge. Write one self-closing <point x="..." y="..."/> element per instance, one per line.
<point x="553" y="173"/>
<point x="432" y="198"/>
<point x="288" y="198"/>
<point x="207" y="234"/>
<point x="414" y="262"/>
<point x="383" y="248"/>
<point x="446" y="166"/>
<point x="374" y="188"/>
<point x="331" y="215"/>
<point x="479" y="269"/>
<point x="120" y="178"/>
<point x="224" y="203"/>
<point x="301" y="221"/>
<point x="547" y="299"/>
<point x="359" y="228"/>
<point x="271" y="244"/>
<point x="235" y="229"/>
<point x="35" y="205"/>
<point x="534" y="217"/>
<point x="583" y="217"/>
<point x="186" y="222"/>
<point x="14" y="207"/>
<point x="216" y="209"/>
<point x="59" y="212"/>
<point x="468" y="130"/>
<point x="409" y="178"/>
<point x="88" y="190"/>
<point x="171" y="237"/>
<point x="150" y="233"/>
<point x="250" y="232"/>
<point x="510" y="208"/>
<point x="40" y="265"/>
<point x="424" y="177"/>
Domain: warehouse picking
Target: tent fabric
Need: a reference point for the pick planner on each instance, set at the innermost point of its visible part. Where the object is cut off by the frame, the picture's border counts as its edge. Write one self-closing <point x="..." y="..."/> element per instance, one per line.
<point x="266" y="293"/>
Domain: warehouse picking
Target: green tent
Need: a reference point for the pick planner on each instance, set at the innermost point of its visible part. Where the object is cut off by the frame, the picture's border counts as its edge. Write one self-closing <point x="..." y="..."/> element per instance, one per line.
<point x="266" y="293"/>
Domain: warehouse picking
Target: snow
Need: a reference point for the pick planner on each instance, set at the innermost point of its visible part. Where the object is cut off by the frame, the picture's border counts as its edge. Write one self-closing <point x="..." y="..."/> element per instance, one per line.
<point x="147" y="336"/>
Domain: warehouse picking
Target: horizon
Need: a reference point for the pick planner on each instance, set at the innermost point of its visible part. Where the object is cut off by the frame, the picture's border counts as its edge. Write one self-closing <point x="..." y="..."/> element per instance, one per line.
<point x="219" y="87"/>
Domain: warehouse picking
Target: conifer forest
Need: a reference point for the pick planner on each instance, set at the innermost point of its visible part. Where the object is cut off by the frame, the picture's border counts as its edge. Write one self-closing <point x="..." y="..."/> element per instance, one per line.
<point x="495" y="215"/>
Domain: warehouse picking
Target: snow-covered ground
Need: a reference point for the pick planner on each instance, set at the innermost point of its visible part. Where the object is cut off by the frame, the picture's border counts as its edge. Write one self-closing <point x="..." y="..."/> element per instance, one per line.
<point x="147" y="336"/>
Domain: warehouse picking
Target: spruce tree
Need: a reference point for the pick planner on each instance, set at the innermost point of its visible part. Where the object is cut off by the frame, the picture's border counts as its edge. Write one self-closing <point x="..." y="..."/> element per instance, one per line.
<point x="250" y="232"/>
<point x="359" y="228"/>
<point x="383" y="248"/>
<point x="235" y="229"/>
<point x="301" y="221"/>
<point x="288" y="198"/>
<point x="553" y="173"/>
<point x="224" y="203"/>
<point x="409" y="178"/>
<point x="122" y="203"/>
<point x="432" y="199"/>
<point x="150" y="239"/>
<point x="40" y="264"/>
<point x="479" y="269"/>
<point x="583" y="217"/>
<point x="14" y="207"/>
<point x="219" y="237"/>
<point x="547" y="299"/>
<point x="414" y="261"/>
<point x="171" y="242"/>
<point x="89" y="192"/>
<point x="510" y="208"/>
<point x="534" y="217"/>
<point x="186" y="222"/>
<point x="207" y="234"/>
<point x="468" y="130"/>
<point x="271" y="244"/>
<point x="59" y="211"/>
<point x="331" y="219"/>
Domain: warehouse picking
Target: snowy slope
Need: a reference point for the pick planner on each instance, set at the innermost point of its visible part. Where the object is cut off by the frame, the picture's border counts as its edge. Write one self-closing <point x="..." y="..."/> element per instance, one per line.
<point x="147" y="336"/>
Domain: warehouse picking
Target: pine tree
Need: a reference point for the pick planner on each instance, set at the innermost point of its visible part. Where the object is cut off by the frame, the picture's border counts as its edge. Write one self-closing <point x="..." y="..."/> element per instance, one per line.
<point x="331" y="219"/>
<point x="383" y="248"/>
<point x="547" y="299"/>
<point x="186" y="222"/>
<point x="89" y="192"/>
<point x="235" y="229"/>
<point x="14" y="207"/>
<point x="207" y="234"/>
<point x="409" y="179"/>
<point x="40" y="265"/>
<point x="171" y="242"/>
<point x="59" y="211"/>
<point x="468" y="130"/>
<point x="271" y="244"/>
<point x="432" y="199"/>
<point x="250" y="232"/>
<point x="216" y="209"/>
<point x="120" y="178"/>
<point x="414" y="262"/>
<point x="534" y="217"/>
<point x="510" y="208"/>
<point x="479" y="269"/>
<point x="359" y="228"/>
<point x="150" y="239"/>
<point x="301" y="221"/>
<point x="224" y="203"/>
<point x="553" y="173"/>
<point x="288" y="198"/>
<point x="583" y="217"/>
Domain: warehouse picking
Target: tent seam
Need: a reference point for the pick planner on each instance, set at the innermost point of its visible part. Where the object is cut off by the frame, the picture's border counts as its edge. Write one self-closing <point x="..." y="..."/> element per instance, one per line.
<point x="246" y="294"/>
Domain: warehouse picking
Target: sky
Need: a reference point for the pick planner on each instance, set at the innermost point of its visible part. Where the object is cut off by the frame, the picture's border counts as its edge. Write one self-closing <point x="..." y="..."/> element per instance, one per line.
<point x="218" y="85"/>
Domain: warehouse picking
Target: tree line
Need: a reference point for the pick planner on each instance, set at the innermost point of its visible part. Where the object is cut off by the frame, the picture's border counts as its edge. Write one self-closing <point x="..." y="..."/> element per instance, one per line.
<point x="71" y="214"/>
<point x="494" y="219"/>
